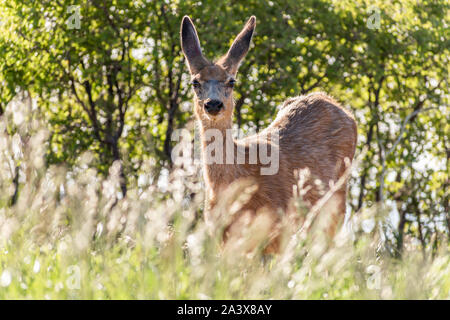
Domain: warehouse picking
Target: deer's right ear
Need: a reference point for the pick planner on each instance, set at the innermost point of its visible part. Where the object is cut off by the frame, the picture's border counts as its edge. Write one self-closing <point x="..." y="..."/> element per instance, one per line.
<point x="191" y="46"/>
<point x="239" y="48"/>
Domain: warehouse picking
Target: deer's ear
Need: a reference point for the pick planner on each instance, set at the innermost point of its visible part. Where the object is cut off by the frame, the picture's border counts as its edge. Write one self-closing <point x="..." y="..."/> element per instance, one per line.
<point x="239" y="48"/>
<point x="191" y="46"/>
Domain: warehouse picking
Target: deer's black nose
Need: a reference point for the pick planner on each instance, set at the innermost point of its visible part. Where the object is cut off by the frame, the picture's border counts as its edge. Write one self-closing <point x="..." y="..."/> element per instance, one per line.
<point x="213" y="106"/>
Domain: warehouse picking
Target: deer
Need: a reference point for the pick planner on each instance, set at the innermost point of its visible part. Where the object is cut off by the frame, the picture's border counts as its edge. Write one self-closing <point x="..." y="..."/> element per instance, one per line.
<point x="314" y="132"/>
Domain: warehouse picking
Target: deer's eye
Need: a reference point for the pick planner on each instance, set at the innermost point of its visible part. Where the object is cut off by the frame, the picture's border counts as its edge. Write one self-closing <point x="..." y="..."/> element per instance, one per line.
<point x="231" y="83"/>
<point x="195" y="84"/>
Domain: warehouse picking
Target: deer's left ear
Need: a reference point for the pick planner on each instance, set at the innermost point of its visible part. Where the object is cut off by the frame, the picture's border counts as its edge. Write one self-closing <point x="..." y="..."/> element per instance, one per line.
<point x="239" y="48"/>
<point x="191" y="46"/>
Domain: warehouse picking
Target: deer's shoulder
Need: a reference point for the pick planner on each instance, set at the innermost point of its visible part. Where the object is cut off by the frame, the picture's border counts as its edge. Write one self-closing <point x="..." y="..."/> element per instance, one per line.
<point x="314" y="103"/>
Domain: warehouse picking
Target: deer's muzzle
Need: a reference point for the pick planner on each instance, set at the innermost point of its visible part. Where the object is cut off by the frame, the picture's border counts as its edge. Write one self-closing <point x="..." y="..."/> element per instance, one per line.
<point x="213" y="107"/>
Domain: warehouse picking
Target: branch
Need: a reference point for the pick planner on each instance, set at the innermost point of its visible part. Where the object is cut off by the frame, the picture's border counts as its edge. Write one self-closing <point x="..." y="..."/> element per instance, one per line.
<point x="385" y="155"/>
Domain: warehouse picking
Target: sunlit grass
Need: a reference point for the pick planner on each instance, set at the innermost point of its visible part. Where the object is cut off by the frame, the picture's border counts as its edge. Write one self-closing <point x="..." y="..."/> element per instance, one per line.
<point x="68" y="235"/>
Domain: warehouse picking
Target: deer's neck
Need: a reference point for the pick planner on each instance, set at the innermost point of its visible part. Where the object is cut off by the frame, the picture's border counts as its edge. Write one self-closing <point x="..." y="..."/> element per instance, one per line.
<point x="221" y="126"/>
<point x="218" y="154"/>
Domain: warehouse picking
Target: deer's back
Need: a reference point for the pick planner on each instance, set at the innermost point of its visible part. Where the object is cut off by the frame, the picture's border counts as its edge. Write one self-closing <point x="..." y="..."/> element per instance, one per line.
<point x="315" y="132"/>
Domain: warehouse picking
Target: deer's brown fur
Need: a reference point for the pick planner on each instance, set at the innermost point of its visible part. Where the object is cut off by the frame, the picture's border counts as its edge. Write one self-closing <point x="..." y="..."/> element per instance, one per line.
<point x="315" y="132"/>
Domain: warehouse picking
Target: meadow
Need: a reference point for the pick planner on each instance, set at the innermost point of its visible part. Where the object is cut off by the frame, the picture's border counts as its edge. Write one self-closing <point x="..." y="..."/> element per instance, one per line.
<point x="66" y="233"/>
<point x="93" y="205"/>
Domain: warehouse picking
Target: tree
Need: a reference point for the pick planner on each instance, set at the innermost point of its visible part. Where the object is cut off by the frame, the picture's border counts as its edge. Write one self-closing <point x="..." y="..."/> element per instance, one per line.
<point x="111" y="79"/>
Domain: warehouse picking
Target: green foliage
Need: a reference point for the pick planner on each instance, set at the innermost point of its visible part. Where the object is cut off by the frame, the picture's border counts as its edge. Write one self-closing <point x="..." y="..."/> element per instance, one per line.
<point x="117" y="86"/>
<point x="69" y="236"/>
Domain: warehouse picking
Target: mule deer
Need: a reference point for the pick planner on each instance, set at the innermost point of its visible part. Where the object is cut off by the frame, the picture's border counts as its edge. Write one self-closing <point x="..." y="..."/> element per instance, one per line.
<point x="313" y="131"/>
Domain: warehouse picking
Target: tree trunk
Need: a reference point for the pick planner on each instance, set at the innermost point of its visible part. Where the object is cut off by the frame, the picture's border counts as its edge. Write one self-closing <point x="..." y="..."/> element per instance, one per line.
<point x="362" y="184"/>
<point x="401" y="228"/>
<point x="170" y="124"/>
<point x="421" y="236"/>
<point x="238" y="108"/>
<point x="116" y="156"/>
<point x="16" y="186"/>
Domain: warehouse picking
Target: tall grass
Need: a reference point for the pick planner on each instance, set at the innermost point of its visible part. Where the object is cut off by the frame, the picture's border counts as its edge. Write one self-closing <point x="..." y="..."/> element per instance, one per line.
<point x="66" y="233"/>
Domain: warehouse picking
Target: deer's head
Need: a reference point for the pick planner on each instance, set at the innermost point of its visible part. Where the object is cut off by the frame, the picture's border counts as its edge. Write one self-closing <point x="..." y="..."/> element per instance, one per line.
<point x="213" y="82"/>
